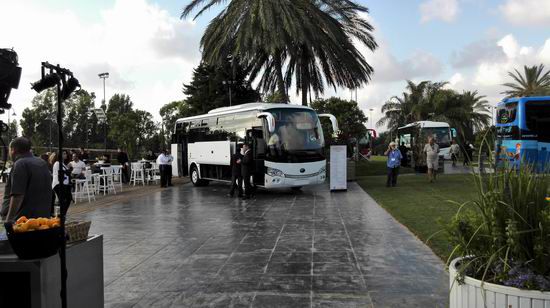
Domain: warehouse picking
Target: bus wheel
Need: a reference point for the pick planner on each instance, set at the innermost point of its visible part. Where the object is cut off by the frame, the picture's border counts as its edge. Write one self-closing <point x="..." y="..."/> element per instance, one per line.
<point x="195" y="176"/>
<point x="297" y="188"/>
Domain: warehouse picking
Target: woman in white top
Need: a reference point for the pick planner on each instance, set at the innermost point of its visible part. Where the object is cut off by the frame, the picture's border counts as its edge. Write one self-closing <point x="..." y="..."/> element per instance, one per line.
<point x="63" y="192"/>
<point x="432" y="158"/>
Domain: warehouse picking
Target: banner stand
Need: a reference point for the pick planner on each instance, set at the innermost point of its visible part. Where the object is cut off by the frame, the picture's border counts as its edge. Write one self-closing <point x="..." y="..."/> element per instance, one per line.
<point x="338" y="168"/>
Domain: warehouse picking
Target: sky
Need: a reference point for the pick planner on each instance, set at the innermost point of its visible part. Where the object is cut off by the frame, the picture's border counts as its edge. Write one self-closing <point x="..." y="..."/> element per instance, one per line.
<point x="150" y="52"/>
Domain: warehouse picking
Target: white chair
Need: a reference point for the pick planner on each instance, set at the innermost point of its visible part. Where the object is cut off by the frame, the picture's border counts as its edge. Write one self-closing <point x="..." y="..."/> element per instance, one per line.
<point x="84" y="188"/>
<point x="153" y="174"/>
<point x="138" y="174"/>
<point x="117" y="175"/>
<point x="106" y="181"/>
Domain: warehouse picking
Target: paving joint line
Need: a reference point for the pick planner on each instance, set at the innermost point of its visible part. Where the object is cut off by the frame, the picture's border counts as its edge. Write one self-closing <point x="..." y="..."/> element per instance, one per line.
<point x="354" y="255"/>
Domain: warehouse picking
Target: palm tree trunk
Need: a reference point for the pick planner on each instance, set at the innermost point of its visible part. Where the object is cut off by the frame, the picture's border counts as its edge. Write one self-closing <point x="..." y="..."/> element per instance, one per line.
<point x="304" y="77"/>
<point x="280" y="80"/>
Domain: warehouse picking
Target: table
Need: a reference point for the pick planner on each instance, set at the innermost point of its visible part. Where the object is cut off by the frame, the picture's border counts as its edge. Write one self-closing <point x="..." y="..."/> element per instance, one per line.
<point x="37" y="283"/>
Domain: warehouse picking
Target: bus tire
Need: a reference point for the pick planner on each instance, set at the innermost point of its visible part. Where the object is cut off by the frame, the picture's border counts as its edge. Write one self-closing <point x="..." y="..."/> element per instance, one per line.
<point x="194" y="175"/>
<point x="296" y="188"/>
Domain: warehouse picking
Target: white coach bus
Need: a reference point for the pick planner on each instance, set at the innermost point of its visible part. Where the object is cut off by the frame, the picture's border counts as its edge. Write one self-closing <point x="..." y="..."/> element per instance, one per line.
<point x="286" y="140"/>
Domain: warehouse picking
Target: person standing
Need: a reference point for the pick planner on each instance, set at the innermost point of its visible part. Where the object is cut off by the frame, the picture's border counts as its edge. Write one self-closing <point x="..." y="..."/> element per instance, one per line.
<point x="469" y="151"/>
<point x="122" y="158"/>
<point x="169" y="159"/>
<point x="455" y="150"/>
<point x="432" y="158"/>
<point x="247" y="168"/>
<point x="393" y="163"/>
<point x="165" y="167"/>
<point x="30" y="187"/>
<point x="62" y="190"/>
<point x="83" y="155"/>
<point x="404" y="150"/>
<point x="236" y="175"/>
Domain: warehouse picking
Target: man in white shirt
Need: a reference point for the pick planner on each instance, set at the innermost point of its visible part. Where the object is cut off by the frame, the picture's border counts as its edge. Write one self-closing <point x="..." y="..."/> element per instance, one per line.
<point x="455" y="150"/>
<point x="78" y="167"/>
<point x="165" y="166"/>
<point x="432" y="158"/>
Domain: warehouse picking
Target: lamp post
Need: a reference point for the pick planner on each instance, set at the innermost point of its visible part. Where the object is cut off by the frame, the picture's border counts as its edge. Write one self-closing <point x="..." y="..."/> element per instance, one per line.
<point x="104" y="107"/>
<point x="9" y="122"/>
<point x="372" y="126"/>
<point x="230" y="82"/>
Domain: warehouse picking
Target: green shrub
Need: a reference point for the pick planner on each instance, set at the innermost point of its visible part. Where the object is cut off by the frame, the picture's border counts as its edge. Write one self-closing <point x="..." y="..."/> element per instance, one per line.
<point x="504" y="235"/>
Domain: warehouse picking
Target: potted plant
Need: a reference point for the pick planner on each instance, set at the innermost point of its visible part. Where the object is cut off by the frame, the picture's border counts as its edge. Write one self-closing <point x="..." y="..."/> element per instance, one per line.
<point x="501" y="255"/>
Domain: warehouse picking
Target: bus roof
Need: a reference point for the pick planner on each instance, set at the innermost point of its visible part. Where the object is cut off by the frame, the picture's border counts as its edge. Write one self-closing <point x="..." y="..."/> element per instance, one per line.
<point x="426" y="124"/>
<point x="521" y="99"/>
<point x="241" y="108"/>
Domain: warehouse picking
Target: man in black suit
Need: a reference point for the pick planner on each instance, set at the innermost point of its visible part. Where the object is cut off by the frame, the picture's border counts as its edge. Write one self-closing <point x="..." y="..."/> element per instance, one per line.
<point x="236" y="176"/>
<point x="247" y="168"/>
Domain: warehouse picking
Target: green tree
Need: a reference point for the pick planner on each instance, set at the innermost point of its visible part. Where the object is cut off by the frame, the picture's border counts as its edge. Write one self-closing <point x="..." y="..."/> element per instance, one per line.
<point x="533" y="82"/>
<point x="467" y="112"/>
<point x="314" y="39"/>
<point x="77" y="120"/>
<point x="38" y="122"/>
<point x="350" y="117"/>
<point x="209" y="87"/>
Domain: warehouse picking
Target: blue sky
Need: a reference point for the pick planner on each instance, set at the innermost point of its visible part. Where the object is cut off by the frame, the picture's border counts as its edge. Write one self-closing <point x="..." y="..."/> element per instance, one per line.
<point x="149" y="51"/>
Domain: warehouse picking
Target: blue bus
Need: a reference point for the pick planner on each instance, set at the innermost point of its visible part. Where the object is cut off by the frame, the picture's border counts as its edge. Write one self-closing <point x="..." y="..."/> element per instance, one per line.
<point x="523" y="131"/>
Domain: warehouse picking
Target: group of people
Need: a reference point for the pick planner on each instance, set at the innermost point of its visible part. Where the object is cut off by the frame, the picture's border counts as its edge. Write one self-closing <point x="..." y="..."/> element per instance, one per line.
<point x="242" y="167"/>
<point x="431" y="151"/>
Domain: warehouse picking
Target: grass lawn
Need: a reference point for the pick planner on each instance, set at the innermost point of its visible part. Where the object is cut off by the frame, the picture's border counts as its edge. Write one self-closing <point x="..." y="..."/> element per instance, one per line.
<point x="419" y="205"/>
<point x="376" y="166"/>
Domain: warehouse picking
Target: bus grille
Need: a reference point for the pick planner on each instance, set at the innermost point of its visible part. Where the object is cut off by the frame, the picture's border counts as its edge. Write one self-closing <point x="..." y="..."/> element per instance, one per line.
<point x="301" y="176"/>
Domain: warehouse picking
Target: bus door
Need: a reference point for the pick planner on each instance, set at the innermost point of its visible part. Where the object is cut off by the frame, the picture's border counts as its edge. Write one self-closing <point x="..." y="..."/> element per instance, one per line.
<point x="255" y="137"/>
<point x="181" y="139"/>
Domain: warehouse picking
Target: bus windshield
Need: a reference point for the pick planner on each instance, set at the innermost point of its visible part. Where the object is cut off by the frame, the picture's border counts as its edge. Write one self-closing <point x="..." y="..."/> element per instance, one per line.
<point x="442" y="135"/>
<point x="298" y="136"/>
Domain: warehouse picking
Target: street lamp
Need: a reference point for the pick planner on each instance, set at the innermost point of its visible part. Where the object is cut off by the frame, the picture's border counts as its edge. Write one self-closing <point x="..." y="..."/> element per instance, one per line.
<point x="103" y="76"/>
<point x="9" y="127"/>
<point x="231" y="82"/>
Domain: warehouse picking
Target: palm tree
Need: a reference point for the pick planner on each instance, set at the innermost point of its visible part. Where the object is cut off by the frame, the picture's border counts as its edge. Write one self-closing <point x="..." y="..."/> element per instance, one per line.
<point x="467" y="112"/>
<point x="533" y="82"/>
<point x="312" y="37"/>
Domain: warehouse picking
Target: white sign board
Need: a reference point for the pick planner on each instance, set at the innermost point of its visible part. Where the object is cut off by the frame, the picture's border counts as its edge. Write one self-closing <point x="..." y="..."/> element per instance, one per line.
<point x="338" y="167"/>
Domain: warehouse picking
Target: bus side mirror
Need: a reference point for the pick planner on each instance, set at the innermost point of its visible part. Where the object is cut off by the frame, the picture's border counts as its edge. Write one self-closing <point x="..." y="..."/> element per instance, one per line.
<point x="333" y="120"/>
<point x="453" y="132"/>
<point x="270" y="120"/>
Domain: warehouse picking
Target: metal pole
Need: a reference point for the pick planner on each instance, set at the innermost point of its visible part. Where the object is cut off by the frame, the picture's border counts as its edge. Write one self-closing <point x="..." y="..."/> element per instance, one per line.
<point x="104" y="99"/>
<point x="62" y="251"/>
<point x="9" y="136"/>
<point x="50" y="144"/>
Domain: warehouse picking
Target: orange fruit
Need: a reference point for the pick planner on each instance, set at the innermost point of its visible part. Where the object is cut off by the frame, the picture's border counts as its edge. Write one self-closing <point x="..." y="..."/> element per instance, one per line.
<point x="21" y="220"/>
<point x="32" y="224"/>
<point x="43" y="227"/>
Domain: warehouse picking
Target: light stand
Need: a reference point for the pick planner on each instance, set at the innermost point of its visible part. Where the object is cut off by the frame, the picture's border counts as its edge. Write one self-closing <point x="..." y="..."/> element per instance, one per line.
<point x="65" y="83"/>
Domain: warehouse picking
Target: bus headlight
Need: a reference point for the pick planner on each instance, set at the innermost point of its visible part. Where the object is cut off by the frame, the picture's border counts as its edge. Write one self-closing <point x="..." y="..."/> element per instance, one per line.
<point x="274" y="172"/>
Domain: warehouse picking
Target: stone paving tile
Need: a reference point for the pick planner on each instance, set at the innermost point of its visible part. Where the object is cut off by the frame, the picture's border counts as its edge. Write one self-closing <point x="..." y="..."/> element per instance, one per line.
<point x="193" y="247"/>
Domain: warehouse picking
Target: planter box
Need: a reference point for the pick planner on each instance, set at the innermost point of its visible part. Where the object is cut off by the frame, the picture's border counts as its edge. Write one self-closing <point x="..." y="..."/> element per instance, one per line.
<point x="475" y="293"/>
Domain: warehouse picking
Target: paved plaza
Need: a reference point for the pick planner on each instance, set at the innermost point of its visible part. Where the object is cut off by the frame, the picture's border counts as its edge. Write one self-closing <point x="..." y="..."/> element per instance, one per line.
<point x="194" y="247"/>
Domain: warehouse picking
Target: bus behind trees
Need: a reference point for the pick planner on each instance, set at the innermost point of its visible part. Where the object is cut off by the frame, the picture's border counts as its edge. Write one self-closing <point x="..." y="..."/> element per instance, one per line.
<point x="523" y="131"/>
<point x="287" y="143"/>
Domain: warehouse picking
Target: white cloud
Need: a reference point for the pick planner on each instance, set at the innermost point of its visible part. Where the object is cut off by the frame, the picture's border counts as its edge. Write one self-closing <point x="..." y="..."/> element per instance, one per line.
<point x="147" y="52"/>
<point x="491" y="72"/>
<point x="527" y="12"/>
<point x="444" y="10"/>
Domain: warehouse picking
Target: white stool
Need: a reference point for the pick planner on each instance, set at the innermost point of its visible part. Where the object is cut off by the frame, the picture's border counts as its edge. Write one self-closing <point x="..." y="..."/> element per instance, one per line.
<point x="117" y="175"/>
<point x="138" y="174"/>
<point x="83" y="189"/>
<point x="106" y="181"/>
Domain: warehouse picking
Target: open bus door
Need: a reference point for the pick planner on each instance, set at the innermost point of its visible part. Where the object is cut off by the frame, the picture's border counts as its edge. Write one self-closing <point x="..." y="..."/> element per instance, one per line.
<point x="179" y="140"/>
<point x="255" y="137"/>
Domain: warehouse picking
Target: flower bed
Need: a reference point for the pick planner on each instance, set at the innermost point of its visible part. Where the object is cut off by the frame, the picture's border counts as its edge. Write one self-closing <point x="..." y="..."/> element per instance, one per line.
<point x="475" y="293"/>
